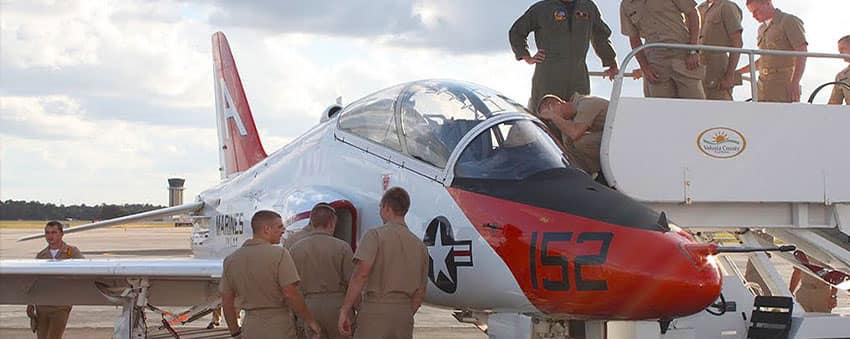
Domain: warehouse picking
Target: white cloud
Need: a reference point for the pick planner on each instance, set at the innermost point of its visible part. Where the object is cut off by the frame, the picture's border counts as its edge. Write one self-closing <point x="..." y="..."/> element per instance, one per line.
<point x="45" y="117"/>
<point x="102" y="50"/>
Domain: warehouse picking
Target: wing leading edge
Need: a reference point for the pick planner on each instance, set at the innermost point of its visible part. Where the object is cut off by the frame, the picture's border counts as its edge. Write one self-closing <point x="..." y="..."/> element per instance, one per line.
<point x="173" y="282"/>
<point x="163" y="212"/>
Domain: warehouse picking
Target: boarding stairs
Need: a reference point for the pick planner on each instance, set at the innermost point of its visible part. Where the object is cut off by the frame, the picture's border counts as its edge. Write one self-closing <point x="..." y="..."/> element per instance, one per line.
<point x="758" y="172"/>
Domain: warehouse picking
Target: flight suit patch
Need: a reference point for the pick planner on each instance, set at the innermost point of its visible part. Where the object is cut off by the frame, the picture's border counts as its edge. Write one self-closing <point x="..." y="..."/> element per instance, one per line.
<point x="583" y="15"/>
<point x="560" y="14"/>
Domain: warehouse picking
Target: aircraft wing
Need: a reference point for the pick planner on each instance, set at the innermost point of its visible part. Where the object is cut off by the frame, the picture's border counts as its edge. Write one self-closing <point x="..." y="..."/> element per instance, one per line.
<point x="171" y="282"/>
<point x="163" y="212"/>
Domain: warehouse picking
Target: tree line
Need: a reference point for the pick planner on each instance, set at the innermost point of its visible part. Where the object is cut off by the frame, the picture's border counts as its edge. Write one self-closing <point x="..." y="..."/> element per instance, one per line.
<point x="34" y="210"/>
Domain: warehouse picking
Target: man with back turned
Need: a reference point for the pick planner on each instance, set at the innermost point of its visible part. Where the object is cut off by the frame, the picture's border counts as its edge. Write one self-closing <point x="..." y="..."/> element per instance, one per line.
<point x="324" y="264"/>
<point x="391" y="263"/>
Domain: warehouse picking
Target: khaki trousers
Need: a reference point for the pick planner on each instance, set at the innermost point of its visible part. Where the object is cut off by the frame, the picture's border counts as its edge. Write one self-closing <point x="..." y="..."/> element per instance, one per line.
<point x="718" y="94"/>
<point x="268" y="323"/>
<point x="325" y="308"/>
<point x="384" y="321"/>
<point x="584" y="152"/>
<point x="715" y="72"/>
<point x="52" y="321"/>
<point x="675" y="80"/>
<point x="773" y="84"/>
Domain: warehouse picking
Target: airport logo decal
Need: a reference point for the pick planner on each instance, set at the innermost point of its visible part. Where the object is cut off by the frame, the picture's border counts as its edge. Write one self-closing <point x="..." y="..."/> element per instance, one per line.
<point x="721" y="142"/>
<point x="445" y="254"/>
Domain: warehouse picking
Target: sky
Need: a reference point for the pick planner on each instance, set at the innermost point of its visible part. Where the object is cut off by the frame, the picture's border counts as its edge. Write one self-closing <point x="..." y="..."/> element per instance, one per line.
<point x="101" y="101"/>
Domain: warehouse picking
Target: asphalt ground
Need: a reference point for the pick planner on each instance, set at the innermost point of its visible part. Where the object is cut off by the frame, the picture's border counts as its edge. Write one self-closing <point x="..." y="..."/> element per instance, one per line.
<point x="96" y="321"/>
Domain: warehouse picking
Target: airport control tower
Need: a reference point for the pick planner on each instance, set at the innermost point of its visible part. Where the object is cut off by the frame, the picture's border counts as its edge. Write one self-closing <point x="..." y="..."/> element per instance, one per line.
<point x="175" y="191"/>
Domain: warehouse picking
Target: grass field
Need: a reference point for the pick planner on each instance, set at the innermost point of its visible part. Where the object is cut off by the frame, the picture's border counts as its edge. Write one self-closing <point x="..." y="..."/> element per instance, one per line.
<point x="38" y="224"/>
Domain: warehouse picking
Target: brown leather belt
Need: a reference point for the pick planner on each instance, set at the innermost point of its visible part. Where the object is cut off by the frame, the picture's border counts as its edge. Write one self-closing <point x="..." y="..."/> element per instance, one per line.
<point x="771" y="70"/>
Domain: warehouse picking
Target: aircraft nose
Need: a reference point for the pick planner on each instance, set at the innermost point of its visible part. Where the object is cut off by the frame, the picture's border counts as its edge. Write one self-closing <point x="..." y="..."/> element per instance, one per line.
<point x="685" y="282"/>
<point x="588" y="268"/>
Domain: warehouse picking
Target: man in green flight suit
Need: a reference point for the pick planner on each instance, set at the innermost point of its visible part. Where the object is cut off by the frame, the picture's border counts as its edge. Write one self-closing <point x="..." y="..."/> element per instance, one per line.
<point x="563" y="31"/>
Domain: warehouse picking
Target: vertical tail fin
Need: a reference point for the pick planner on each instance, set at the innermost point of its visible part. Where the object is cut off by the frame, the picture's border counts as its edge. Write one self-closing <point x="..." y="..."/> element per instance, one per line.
<point x="238" y="141"/>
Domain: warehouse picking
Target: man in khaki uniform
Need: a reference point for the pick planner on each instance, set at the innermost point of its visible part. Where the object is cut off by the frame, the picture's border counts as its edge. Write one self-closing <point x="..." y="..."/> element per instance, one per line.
<point x="325" y="264"/>
<point x="667" y="73"/>
<point x="842" y="93"/>
<point x="721" y="26"/>
<point x="581" y="121"/>
<point x="392" y="264"/>
<point x="779" y="76"/>
<point x="51" y="319"/>
<point x="264" y="277"/>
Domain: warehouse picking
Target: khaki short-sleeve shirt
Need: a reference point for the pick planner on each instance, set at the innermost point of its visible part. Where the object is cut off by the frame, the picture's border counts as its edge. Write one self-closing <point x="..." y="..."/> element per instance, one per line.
<point x="257" y="272"/>
<point x="719" y="20"/>
<point x="324" y="263"/>
<point x="295" y="236"/>
<point x="785" y="32"/>
<point x="841" y="93"/>
<point x="399" y="261"/>
<point x="65" y="252"/>
<point x="656" y="20"/>
<point x="590" y="110"/>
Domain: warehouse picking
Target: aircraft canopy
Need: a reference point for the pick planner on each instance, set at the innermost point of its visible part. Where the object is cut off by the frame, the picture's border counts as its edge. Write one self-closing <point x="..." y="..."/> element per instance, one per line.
<point x="424" y="119"/>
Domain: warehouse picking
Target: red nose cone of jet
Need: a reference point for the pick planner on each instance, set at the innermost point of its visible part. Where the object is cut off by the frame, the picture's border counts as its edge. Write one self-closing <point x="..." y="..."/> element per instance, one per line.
<point x="585" y="268"/>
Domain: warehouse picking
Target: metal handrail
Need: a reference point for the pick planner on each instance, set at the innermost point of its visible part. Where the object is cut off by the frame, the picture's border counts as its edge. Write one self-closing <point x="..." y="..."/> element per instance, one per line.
<point x="618" y="82"/>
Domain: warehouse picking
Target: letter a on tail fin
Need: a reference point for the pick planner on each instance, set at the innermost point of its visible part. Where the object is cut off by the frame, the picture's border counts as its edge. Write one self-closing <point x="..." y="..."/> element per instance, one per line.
<point x="238" y="141"/>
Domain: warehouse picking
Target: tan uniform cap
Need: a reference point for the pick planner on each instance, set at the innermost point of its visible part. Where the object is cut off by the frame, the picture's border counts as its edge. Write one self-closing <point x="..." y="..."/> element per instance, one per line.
<point x="324" y="263"/>
<point x="399" y="262"/>
<point x="256" y="272"/>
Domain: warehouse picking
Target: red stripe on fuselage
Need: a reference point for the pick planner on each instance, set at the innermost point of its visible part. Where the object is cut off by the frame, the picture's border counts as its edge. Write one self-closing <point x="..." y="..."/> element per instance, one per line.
<point x="644" y="273"/>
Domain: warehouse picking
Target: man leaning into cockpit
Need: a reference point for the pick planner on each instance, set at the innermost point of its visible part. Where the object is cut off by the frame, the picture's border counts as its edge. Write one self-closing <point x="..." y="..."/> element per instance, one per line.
<point x="580" y="122"/>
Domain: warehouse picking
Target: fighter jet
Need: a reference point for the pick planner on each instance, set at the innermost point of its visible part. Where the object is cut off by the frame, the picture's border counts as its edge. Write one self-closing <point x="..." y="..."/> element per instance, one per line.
<point x="510" y="225"/>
